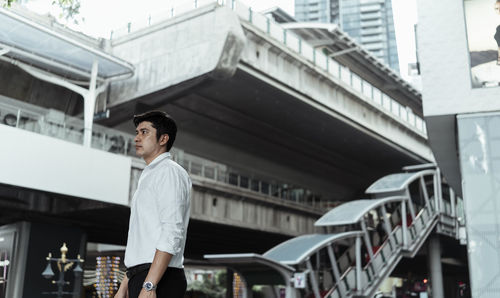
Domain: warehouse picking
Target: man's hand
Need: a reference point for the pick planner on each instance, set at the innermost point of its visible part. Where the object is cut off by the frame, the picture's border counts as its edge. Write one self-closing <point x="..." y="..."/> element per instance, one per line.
<point x="123" y="290"/>
<point x="122" y="293"/>
<point x="146" y="294"/>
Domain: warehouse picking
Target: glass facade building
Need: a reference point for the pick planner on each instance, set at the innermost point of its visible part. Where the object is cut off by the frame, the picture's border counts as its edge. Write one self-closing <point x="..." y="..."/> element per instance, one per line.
<point x="369" y="22"/>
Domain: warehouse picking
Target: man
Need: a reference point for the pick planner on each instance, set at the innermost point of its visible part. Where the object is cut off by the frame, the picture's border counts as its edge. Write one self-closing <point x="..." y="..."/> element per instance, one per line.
<point x="159" y="215"/>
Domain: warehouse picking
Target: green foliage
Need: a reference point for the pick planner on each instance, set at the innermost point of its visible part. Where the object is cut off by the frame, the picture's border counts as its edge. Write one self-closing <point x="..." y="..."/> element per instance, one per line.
<point x="70" y="9"/>
<point x="208" y="288"/>
<point x="7" y="3"/>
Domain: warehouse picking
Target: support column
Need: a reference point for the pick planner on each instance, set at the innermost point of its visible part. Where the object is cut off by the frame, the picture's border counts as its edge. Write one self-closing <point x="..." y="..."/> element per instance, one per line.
<point x="89" y="106"/>
<point x="314" y="282"/>
<point x="388" y="228"/>
<point x="404" y="225"/>
<point x="229" y="283"/>
<point x="359" y="286"/>
<point x="435" y="270"/>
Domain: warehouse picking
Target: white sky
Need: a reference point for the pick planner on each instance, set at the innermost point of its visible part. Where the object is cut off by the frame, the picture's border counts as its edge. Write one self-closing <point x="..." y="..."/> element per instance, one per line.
<point x="102" y="16"/>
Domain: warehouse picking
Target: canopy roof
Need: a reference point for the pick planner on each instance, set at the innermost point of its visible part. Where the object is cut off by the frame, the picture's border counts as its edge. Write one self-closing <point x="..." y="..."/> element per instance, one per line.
<point x="352" y="212"/>
<point x="24" y="40"/>
<point x="298" y="249"/>
<point x="396" y="182"/>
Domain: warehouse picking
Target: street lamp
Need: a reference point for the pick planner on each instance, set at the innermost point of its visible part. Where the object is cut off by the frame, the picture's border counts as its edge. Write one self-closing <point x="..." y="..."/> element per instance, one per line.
<point x="63" y="264"/>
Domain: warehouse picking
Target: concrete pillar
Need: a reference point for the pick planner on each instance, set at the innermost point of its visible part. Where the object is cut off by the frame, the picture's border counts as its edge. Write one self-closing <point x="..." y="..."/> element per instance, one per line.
<point x="229" y="283"/>
<point x="89" y="107"/>
<point x="435" y="269"/>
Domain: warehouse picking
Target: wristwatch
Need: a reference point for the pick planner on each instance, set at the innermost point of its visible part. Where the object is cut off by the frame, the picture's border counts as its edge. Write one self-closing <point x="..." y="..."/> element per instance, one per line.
<point x="148" y="286"/>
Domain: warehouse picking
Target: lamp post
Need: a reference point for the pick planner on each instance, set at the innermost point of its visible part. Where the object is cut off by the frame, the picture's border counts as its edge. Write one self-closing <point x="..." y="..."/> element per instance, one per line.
<point x="63" y="264"/>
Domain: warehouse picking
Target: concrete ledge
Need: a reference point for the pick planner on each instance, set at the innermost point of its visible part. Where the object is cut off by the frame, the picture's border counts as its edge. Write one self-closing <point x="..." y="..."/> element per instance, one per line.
<point x="39" y="162"/>
<point x="208" y="40"/>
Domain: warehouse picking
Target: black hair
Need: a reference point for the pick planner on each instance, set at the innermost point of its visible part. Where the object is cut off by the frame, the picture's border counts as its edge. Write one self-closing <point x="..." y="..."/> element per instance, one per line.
<point x="162" y="122"/>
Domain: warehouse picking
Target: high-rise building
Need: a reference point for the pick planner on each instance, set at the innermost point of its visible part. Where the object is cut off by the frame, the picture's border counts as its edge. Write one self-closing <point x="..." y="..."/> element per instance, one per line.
<point x="369" y="22"/>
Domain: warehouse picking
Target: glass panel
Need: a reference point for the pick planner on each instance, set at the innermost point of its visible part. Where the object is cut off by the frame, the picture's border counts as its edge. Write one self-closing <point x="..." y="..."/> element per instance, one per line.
<point x="196" y="168"/>
<point x="292" y="41"/>
<point x="260" y="21"/>
<point x="418" y="123"/>
<point x="242" y="10"/>
<point x="345" y="75"/>
<point x="307" y="51"/>
<point x="377" y="96"/>
<point x="386" y="102"/>
<point x="254" y="185"/>
<point x="321" y="59"/>
<point x="395" y="107"/>
<point x="209" y="172"/>
<point x="367" y="89"/>
<point x="403" y="112"/>
<point x="276" y="31"/>
<point x="233" y="179"/>
<point x="479" y="154"/>
<point x="31" y="122"/>
<point x="334" y="68"/>
<point x="356" y="83"/>
<point x="265" y="187"/>
<point x="351" y="279"/>
<point x="244" y="182"/>
<point x="386" y="250"/>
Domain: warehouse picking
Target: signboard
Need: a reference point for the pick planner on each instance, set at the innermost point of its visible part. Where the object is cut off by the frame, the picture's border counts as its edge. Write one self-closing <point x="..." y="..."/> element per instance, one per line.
<point x="299" y="280"/>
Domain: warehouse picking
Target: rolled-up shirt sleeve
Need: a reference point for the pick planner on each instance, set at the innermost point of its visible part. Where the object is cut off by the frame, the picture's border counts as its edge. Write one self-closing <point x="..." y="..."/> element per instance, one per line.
<point x="171" y="204"/>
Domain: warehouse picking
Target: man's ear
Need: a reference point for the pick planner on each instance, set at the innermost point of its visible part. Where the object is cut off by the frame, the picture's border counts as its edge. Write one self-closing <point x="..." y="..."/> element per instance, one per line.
<point x="164" y="139"/>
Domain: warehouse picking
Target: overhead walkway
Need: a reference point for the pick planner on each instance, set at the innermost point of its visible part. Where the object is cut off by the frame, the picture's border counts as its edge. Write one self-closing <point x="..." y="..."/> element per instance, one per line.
<point x="363" y="240"/>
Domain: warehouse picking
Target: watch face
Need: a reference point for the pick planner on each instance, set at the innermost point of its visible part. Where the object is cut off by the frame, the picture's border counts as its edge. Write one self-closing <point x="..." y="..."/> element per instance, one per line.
<point x="148" y="286"/>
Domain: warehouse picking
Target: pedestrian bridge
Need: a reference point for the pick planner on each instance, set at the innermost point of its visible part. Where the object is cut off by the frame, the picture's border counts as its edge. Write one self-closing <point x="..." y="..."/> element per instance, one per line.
<point x="363" y="240"/>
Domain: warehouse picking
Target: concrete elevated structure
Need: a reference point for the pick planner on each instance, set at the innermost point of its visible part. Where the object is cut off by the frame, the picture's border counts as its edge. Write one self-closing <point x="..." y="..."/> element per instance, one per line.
<point x="274" y="131"/>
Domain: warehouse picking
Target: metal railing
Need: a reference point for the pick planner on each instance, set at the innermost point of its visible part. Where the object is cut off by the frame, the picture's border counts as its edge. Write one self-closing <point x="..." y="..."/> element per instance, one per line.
<point x="56" y="124"/>
<point x="330" y="66"/>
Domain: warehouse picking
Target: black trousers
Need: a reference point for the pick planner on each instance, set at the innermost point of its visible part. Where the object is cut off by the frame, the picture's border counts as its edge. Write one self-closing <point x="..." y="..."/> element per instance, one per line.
<point x="172" y="285"/>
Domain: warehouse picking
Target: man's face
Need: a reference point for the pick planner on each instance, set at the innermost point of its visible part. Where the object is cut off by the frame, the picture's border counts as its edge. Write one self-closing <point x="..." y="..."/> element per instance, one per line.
<point x="497" y="7"/>
<point x="147" y="145"/>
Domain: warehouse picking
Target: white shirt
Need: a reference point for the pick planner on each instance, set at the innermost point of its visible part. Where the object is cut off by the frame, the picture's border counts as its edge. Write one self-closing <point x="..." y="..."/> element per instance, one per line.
<point x="159" y="214"/>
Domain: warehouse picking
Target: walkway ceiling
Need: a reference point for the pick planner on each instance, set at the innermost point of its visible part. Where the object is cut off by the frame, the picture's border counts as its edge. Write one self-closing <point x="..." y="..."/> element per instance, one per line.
<point x="247" y="113"/>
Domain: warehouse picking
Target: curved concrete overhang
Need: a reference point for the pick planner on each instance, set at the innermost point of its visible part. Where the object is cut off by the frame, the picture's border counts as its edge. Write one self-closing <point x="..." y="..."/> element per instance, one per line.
<point x="203" y="44"/>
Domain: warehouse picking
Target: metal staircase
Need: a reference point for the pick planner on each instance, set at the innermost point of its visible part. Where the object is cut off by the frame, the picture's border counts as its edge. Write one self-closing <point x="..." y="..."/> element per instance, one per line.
<point x="363" y="240"/>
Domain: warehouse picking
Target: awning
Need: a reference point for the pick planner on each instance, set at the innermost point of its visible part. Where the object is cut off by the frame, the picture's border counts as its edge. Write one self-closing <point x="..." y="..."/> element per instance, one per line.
<point x="298" y="249"/>
<point x="353" y="211"/>
<point x="42" y="47"/>
<point x="396" y="182"/>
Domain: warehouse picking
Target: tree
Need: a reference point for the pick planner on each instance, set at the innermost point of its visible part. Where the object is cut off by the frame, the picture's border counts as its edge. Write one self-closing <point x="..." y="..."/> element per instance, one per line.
<point x="70" y="9"/>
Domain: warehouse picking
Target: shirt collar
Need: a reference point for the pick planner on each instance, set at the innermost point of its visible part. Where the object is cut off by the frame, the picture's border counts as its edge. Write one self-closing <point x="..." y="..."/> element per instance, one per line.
<point x="159" y="158"/>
